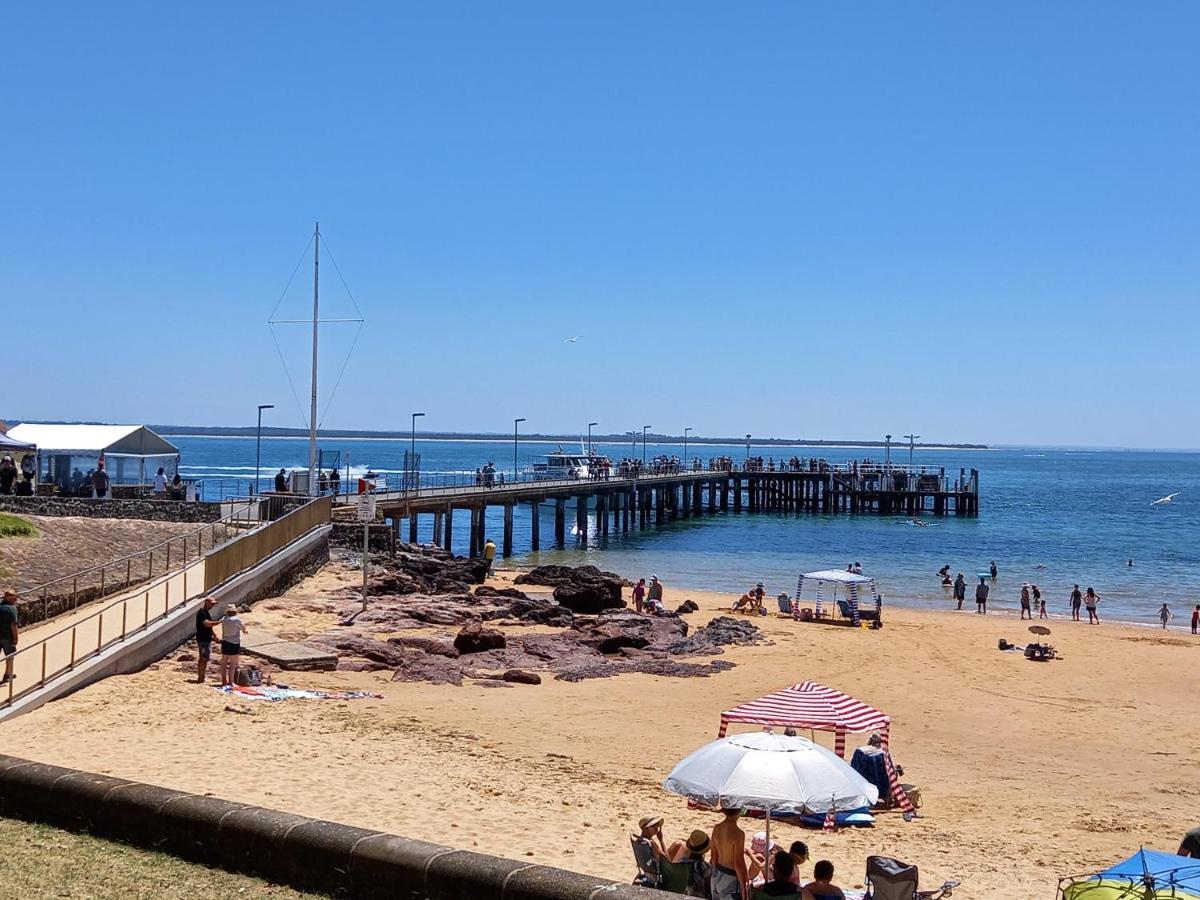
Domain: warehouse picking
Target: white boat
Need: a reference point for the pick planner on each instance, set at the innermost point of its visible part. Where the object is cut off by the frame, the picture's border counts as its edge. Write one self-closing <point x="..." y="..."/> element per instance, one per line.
<point x="563" y="465"/>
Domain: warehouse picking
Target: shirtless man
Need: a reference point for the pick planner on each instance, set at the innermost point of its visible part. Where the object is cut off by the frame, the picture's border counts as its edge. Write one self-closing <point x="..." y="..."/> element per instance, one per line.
<point x="730" y="876"/>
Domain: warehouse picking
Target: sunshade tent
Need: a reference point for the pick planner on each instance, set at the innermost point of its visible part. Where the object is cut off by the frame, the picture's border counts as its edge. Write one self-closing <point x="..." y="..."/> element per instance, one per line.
<point x="9" y="443"/>
<point x="61" y="448"/>
<point x="855" y="586"/>
<point x="818" y="708"/>
<point x="1147" y="875"/>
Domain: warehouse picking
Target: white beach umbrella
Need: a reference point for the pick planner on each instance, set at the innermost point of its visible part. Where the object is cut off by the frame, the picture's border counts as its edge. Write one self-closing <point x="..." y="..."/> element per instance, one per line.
<point x="771" y="772"/>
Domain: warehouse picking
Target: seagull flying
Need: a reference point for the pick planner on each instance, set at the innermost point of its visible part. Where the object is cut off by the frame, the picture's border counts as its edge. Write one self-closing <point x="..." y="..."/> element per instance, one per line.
<point x="1163" y="501"/>
<point x="572" y="340"/>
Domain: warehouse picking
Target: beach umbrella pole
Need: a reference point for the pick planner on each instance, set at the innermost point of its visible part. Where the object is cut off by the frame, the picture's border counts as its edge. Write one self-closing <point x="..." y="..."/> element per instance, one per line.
<point x="767" y="862"/>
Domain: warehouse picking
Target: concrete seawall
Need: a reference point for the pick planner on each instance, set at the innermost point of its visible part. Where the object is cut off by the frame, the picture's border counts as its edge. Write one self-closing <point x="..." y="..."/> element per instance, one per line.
<point x="309" y="854"/>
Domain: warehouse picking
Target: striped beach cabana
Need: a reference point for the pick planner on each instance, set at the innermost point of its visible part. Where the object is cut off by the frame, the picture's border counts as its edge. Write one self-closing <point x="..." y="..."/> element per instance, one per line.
<point x="818" y="708"/>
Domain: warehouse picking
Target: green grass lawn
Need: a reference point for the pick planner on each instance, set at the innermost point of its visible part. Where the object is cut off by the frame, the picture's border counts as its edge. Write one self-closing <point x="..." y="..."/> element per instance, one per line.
<point x="15" y="526"/>
<point x="47" y="862"/>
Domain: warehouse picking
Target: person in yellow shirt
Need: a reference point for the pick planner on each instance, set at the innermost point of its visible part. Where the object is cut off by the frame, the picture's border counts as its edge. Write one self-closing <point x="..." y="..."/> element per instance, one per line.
<point x="489" y="553"/>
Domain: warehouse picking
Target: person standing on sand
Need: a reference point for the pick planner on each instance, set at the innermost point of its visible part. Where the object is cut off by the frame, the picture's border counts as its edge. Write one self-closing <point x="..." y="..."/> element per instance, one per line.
<point x="1165" y="615"/>
<point x="981" y="595"/>
<point x="1076" y="602"/>
<point x="1025" y="611"/>
<point x="960" y="590"/>
<point x="639" y="594"/>
<point x="1090" y="600"/>
<point x="730" y="877"/>
<point x="489" y="553"/>
<point x="9" y="632"/>
<point x="655" y="592"/>
<point x="232" y="628"/>
<point x="1195" y="618"/>
<point x="204" y="635"/>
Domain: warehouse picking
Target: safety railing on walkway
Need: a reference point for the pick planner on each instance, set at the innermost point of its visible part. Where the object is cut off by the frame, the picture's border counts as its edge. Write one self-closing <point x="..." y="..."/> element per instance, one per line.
<point x="68" y="593"/>
<point x="50" y="657"/>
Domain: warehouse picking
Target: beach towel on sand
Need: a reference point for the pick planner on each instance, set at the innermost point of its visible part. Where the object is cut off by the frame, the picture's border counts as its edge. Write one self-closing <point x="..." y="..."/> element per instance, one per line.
<point x="277" y="692"/>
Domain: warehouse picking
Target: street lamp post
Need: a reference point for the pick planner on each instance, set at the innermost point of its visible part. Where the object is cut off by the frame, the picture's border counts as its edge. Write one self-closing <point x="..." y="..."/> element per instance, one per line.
<point x="911" y="439"/>
<point x="258" y="444"/>
<point x="516" y="422"/>
<point x="412" y="454"/>
<point x="645" y="428"/>
<point x="887" y="449"/>
<point x="747" y="449"/>
<point x="632" y="443"/>
<point x="590" y="424"/>
<point x="685" y="456"/>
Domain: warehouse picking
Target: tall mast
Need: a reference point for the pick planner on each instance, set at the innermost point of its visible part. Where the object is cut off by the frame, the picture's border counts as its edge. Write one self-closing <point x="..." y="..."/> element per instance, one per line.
<point x="312" y="416"/>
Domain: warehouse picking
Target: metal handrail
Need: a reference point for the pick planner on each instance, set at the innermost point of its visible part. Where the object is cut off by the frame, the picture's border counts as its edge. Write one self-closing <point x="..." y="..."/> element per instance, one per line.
<point x="98" y="616"/>
<point x="128" y="559"/>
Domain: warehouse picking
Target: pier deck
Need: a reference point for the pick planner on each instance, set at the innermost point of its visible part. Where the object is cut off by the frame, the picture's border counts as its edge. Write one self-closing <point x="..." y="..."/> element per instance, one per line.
<point x="621" y="503"/>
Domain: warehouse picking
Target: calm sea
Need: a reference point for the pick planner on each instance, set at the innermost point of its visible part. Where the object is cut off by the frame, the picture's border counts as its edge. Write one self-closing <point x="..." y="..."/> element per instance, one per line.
<point x="1054" y="517"/>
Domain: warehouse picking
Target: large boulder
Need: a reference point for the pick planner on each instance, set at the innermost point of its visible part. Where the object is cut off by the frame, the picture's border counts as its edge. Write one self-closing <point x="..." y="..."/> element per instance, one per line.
<point x="519" y="676"/>
<point x="474" y="638"/>
<point x="582" y="589"/>
<point x="611" y="631"/>
<point x="426" y="645"/>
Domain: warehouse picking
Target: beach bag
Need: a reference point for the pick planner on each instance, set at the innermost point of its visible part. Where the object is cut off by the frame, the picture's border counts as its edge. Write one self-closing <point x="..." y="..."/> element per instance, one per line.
<point x="249" y="676"/>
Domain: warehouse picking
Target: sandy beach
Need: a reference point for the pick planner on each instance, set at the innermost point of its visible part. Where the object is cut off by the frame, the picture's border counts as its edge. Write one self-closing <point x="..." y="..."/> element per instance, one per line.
<point x="1028" y="770"/>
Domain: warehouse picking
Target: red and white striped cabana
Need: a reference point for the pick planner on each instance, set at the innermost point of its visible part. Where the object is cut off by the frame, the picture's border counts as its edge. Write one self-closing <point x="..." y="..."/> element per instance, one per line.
<point x="818" y="708"/>
<point x="812" y="706"/>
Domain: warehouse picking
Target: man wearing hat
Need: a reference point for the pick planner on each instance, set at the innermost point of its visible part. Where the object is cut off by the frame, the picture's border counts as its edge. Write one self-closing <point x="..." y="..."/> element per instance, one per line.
<point x="9" y="632"/>
<point x="654" y="594"/>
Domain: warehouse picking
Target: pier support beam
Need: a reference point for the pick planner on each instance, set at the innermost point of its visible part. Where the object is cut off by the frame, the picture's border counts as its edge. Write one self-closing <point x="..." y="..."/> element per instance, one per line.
<point x="508" y="529"/>
<point x="448" y="546"/>
<point x="535" y="522"/>
<point x="412" y="527"/>
<point x="475" y="546"/>
<point x="581" y="516"/>
<point x="560" y="523"/>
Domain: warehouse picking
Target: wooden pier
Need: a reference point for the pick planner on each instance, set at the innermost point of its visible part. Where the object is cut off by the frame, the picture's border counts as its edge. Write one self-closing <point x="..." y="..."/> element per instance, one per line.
<point x="619" y="504"/>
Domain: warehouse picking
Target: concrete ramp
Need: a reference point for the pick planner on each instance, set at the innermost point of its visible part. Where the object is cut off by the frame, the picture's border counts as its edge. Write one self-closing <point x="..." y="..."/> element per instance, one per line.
<point x="288" y="655"/>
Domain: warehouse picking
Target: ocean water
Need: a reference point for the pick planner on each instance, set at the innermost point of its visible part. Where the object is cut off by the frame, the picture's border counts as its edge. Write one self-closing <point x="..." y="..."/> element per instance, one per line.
<point x="1054" y="517"/>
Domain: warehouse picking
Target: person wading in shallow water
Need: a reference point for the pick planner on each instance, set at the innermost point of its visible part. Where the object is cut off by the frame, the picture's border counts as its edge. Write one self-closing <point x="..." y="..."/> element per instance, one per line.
<point x="1090" y="600"/>
<point x="981" y="595"/>
<point x="960" y="590"/>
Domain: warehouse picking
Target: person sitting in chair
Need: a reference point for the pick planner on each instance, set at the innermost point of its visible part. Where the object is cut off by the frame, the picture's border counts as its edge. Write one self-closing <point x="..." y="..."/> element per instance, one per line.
<point x="822" y="886"/>
<point x="871" y="763"/>
<point x="781" y="883"/>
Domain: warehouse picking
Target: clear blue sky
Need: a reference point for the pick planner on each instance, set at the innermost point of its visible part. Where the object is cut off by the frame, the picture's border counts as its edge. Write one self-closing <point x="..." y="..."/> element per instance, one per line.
<point x="976" y="221"/>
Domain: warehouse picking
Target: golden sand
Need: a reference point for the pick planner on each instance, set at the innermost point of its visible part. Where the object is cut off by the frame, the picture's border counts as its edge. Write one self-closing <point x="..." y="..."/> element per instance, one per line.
<point x="1028" y="770"/>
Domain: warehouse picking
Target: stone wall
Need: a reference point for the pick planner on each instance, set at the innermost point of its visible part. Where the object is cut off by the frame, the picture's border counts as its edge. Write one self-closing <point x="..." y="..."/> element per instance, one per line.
<point x="308" y="854"/>
<point x="348" y="536"/>
<point x="151" y="510"/>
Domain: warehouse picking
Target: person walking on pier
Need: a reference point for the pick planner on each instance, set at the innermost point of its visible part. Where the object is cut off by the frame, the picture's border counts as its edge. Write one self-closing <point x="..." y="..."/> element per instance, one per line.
<point x="1025" y="611"/>
<point x="981" y="597"/>
<point x="1090" y="600"/>
<point x="1076" y="602"/>
<point x="281" y="482"/>
<point x="960" y="589"/>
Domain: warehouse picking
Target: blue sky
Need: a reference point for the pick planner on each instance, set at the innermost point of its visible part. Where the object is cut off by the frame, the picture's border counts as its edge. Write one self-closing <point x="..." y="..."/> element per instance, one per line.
<point x="975" y="221"/>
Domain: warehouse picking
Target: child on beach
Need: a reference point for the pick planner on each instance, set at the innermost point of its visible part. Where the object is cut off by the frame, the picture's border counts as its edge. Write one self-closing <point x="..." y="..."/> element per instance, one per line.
<point x="1195" y="618"/>
<point x="1039" y="602"/>
<point x="1165" y="615"/>
<point x="639" y="594"/>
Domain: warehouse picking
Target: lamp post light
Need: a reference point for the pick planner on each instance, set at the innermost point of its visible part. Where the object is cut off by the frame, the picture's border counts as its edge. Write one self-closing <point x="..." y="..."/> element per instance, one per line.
<point x="516" y="422"/>
<point x="590" y="424"/>
<point x="258" y="444"/>
<point x="685" y="456"/>
<point x="645" y="428"/>
<point x="887" y="449"/>
<point x="747" y="449"/>
<point x="911" y="439"/>
<point x="412" y="454"/>
<point x="632" y="442"/>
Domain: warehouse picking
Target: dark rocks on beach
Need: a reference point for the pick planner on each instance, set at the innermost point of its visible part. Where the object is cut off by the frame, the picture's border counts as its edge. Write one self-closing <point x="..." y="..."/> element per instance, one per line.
<point x="687" y="606"/>
<point x="486" y="590"/>
<point x="518" y="676"/>
<point x="582" y="589"/>
<point x="474" y="638"/>
<point x="719" y="632"/>
<point x="426" y="645"/>
<point x="611" y="631"/>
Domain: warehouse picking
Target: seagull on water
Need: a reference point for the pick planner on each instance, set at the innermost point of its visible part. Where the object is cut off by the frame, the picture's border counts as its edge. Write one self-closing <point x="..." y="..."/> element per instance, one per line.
<point x="1163" y="501"/>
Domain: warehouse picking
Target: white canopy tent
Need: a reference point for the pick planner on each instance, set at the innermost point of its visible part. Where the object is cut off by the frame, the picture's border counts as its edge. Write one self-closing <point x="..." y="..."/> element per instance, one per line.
<point x="855" y="588"/>
<point x="131" y="452"/>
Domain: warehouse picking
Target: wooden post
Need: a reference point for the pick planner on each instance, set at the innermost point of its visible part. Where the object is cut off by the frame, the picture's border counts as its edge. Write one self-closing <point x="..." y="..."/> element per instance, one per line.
<point x="481" y="528"/>
<point x="474" y="542"/>
<point x="535" y="538"/>
<point x="581" y="516"/>
<point x="508" y="529"/>
<point x="602" y="514"/>
<point x="449" y="526"/>
<point x="412" y="526"/>
<point x="560" y="522"/>
<point x="437" y="529"/>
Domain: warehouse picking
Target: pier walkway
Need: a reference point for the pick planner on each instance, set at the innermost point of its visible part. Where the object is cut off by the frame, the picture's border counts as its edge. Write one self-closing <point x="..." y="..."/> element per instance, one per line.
<point x="619" y="503"/>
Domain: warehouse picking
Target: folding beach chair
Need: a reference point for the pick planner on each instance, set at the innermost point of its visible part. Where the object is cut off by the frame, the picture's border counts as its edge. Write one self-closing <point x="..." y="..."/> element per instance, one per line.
<point x="890" y="879"/>
<point x="675" y="876"/>
<point x="649" y="873"/>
